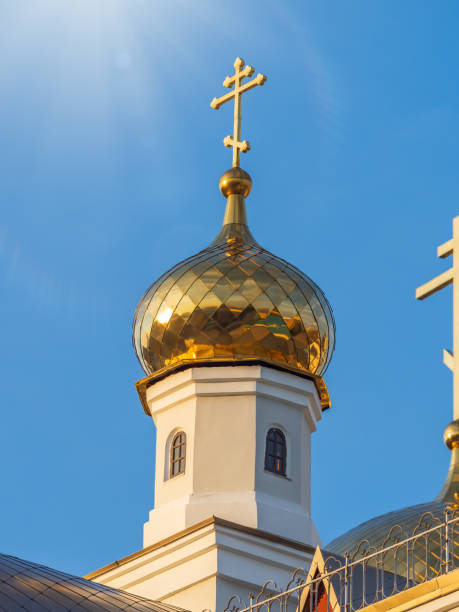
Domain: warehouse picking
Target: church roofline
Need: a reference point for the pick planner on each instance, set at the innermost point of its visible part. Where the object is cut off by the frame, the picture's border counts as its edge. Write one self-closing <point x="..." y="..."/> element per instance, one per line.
<point x="214" y="521"/>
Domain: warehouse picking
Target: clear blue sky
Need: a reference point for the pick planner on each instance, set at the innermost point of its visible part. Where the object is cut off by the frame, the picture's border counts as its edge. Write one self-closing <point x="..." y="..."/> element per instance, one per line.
<point x="109" y="162"/>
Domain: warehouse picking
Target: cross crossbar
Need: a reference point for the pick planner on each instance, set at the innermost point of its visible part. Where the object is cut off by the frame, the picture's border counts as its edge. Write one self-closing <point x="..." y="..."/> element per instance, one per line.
<point x="229" y="142"/>
<point x="448" y="359"/>
<point x="260" y="79"/>
<point x="445" y="249"/>
<point x="437" y="283"/>
<point x="449" y="277"/>
<point x="247" y="72"/>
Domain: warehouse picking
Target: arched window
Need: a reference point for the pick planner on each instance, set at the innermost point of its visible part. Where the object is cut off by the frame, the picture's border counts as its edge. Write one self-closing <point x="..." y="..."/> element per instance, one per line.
<point x="276" y="452"/>
<point x="178" y="454"/>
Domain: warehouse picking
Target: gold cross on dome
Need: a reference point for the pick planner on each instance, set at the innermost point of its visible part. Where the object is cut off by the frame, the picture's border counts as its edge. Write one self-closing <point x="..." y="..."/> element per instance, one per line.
<point x="239" y="88"/>
<point x="450" y="277"/>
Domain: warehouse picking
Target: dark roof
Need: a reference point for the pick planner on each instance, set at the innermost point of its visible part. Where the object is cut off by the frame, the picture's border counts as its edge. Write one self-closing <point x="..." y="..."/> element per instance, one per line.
<point x="426" y="559"/>
<point x="377" y="529"/>
<point x="36" y="588"/>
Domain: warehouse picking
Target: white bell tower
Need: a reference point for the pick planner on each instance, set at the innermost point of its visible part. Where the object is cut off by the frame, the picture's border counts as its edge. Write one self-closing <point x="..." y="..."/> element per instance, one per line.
<point x="228" y="415"/>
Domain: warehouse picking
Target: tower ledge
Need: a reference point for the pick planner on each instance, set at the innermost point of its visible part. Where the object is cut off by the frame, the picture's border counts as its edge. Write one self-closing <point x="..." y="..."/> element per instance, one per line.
<point x="145" y="383"/>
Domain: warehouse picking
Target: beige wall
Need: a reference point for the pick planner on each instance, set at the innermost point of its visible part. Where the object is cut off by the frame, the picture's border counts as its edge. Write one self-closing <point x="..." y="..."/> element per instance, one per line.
<point x="196" y="598"/>
<point x="291" y="421"/>
<point x="224" y="449"/>
<point x="181" y="418"/>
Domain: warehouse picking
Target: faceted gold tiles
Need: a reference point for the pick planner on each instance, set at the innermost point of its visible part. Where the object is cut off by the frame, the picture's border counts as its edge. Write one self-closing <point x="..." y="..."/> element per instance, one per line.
<point x="234" y="300"/>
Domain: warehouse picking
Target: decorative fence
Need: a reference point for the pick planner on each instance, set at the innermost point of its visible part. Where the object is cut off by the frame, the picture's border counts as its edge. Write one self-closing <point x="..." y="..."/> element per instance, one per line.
<point x="368" y="575"/>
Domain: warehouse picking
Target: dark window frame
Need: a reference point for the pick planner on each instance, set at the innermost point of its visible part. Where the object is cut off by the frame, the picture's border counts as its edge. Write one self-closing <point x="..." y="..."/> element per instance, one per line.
<point x="177" y="455"/>
<point x="276" y="452"/>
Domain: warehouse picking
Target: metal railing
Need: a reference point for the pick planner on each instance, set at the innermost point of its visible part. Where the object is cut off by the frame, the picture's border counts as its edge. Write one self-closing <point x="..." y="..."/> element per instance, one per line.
<point x="355" y="581"/>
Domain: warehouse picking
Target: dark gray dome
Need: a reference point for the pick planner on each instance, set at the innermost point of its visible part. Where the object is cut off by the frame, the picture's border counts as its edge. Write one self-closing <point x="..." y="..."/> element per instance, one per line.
<point x="29" y="586"/>
<point x="387" y="529"/>
<point x="376" y="531"/>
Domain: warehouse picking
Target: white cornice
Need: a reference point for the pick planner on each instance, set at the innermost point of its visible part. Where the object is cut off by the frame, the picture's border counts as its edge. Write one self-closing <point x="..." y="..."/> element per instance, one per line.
<point x="244" y="380"/>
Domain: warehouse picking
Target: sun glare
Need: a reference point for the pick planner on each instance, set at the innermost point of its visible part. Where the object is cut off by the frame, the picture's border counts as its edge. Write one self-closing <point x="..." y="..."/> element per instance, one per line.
<point x="164" y="316"/>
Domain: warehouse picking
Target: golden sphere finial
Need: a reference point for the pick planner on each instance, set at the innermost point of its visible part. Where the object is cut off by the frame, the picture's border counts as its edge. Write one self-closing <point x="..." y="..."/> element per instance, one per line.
<point x="235" y="181"/>
<point x="451" y="435"/>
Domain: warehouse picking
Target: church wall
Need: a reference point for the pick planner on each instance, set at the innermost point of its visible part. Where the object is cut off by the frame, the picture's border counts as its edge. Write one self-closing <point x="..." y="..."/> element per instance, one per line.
<point x="166" y="570"/>
<point x="196" y="598"/>
<point x="283" y="502"/>
<point x="179" y="418"/>
<point x="290" y="419"/>
<point x="224" y="458"/>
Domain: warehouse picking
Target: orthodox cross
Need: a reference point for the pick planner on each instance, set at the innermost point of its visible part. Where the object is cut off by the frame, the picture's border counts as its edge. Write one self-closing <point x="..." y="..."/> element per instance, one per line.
<point x="449" y="277"/>
<point x="239" y="88"/>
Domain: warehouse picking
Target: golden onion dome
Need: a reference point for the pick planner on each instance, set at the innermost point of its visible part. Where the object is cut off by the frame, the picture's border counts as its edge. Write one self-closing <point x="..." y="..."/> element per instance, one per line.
<point x="234" y="301"/>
